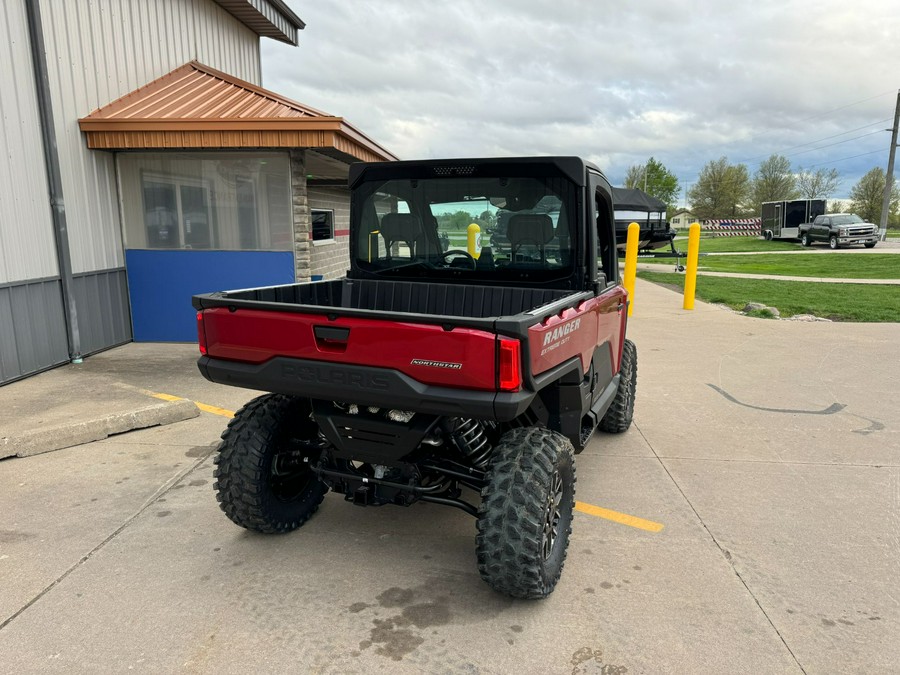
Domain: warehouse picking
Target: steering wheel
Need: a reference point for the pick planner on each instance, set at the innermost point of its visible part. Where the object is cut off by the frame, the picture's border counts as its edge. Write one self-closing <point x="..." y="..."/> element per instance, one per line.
<point x="446" y="255"/>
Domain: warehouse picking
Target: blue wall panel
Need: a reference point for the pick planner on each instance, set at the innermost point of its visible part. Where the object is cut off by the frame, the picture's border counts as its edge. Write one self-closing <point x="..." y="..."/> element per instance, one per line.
<point x="161" y="284"/>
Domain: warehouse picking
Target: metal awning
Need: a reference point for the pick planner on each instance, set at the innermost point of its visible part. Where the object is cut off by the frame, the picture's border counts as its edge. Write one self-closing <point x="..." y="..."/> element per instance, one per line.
<point x="267" y="18"/>
<point x="198" y="107"/>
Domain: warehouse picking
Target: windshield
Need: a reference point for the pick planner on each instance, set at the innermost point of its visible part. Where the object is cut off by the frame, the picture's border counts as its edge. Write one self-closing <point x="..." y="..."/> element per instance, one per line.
<point x="846" y="220"/>
<point x="486" y="229"/>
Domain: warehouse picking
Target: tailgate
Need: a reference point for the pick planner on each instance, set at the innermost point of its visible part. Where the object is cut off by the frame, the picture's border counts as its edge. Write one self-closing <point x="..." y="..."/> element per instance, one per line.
<point x="459" y="357"/>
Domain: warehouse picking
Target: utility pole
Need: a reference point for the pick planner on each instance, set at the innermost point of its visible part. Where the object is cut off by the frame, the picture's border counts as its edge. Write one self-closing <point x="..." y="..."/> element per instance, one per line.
<point x="889" y="178"/>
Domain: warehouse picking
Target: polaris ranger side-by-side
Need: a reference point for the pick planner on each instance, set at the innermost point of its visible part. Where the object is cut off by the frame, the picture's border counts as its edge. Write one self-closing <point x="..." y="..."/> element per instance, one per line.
<point x="432" y="374"/>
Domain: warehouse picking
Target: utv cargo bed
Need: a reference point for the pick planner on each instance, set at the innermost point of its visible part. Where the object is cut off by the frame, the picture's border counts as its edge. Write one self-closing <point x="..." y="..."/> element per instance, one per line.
<point x="359" y="297"/>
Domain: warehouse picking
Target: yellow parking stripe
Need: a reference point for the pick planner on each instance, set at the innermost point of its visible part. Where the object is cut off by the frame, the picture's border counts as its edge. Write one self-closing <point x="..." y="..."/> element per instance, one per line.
<point x="616" y="517"/>
<point x="214" y="410"/>
<point x="203" y="406"/>
<point x="165" y="397"/>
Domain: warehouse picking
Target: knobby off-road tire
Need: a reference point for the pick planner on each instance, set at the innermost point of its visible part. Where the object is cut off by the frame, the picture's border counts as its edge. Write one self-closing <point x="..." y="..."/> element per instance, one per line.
<point x="619" y="415"/>
<point x="525" y="517"/>
<point x="252" y="491"/>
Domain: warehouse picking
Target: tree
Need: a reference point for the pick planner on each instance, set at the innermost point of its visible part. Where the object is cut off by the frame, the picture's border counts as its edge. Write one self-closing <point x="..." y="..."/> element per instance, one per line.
<point x="458" y="220"/>
<point x="654" y="179"/>
<point x="837" y="207"/>
<point x="721" y="191"/>
<point x="867" y="195"/>
<point x="773" y="182"/>
<point x="819" y="184"/>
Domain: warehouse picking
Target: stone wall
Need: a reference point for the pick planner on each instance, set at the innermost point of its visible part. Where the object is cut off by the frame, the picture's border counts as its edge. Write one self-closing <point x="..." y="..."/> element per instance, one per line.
<point x="300" y="205"/>
<point x="329" y="258"/>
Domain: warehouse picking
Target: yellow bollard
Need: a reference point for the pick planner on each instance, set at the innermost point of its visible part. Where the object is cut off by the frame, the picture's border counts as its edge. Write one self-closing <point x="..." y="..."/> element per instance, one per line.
<point x="690" y="276"/>
<point x="631" y="251"/>
<point x="473" y="240"/>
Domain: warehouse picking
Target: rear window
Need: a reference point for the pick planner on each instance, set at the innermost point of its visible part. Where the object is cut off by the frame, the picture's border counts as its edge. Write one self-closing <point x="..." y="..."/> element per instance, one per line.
<point x="520" y="227"/>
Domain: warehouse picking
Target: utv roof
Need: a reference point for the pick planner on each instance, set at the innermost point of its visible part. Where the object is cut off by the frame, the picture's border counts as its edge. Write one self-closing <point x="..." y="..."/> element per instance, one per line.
<point x="573" y="167"/>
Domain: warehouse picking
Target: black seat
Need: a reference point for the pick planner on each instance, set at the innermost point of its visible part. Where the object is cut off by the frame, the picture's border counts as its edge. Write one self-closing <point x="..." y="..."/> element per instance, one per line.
<point x="529" y="229"/>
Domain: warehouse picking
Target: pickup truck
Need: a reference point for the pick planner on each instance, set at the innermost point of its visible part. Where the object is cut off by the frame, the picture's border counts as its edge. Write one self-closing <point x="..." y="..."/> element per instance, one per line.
<point x="839" y="229"/>
<point x="429" y="374"/>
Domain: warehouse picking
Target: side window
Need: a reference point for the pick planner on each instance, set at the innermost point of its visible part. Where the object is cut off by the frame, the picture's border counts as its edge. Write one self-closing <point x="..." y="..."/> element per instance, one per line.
<point x="606" y="245"/>
<point x="322" y="224"/>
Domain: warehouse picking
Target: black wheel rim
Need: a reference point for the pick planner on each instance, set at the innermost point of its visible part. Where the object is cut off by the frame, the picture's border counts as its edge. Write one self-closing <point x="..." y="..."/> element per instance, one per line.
<point x="552" y="516"/>
<point x="290" y="477"/>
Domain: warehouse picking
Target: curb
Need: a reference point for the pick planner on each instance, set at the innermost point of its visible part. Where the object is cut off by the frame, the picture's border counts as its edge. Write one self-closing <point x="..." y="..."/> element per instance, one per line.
<point x="38" y="441"/>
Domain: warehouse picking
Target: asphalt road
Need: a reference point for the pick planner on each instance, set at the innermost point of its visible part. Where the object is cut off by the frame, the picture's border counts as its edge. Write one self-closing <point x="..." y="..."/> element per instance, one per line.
<point x="768" y="451"/>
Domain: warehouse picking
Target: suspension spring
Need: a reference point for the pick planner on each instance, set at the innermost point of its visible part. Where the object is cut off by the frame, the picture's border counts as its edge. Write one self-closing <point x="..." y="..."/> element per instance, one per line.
<point x="470" y="437"/>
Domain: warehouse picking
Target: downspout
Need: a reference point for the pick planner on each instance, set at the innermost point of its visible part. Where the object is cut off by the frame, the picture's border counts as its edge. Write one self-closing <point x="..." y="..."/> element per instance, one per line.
<point x="54" y="180"/>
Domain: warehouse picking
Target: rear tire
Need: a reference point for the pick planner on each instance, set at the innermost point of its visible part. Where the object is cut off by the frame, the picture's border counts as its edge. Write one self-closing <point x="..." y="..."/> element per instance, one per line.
<point x="833" y="242"/>
<point x="525" y="517"/>
<point x="620" y="414"/>
<point x="804" y="239"/>
<point x="256" y="488"/>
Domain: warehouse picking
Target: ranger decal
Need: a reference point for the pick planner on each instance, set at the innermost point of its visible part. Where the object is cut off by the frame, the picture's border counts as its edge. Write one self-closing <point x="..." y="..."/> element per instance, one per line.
<point x="559" y="335"/>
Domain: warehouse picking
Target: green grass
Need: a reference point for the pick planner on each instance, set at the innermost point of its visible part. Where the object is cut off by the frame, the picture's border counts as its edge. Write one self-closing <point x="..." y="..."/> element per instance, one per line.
<point x="838" y="302"/>
<point x="828" y="265"/>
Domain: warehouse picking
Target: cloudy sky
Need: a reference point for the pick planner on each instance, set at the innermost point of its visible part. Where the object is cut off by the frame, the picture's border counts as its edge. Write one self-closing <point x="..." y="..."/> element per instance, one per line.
<point x="614" y="82"/>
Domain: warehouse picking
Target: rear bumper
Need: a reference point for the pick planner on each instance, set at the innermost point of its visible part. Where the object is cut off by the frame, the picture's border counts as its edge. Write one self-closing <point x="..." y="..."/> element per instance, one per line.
<point x="364" y="385"/>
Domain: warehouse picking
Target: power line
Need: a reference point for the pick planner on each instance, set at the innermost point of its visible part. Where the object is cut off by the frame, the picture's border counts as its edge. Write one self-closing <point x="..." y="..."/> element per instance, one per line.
<point x="819" y="140"/>
<point x="833" y="110"/>
<point x="843" y="159"/>
<point x="694" y="179"/>
<point x="849" y="105"/>
<point x="847" y="140"/>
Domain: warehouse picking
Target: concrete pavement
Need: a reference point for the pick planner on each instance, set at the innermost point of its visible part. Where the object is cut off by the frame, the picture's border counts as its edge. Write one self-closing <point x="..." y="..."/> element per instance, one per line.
<point x="768" y="450"/>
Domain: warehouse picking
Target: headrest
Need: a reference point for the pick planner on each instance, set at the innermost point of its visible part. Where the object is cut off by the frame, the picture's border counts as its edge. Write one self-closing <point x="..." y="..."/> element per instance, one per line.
<point x="530" y="228"/>
<point x="400" y="227"/>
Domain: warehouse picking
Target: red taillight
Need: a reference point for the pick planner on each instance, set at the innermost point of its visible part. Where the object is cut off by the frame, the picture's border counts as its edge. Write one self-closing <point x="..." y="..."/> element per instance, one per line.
<point x="201" y="333"/>
<point x="510" y="377"/>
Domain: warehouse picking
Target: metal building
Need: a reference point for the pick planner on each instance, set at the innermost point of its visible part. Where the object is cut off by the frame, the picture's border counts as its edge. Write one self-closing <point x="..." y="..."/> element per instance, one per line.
<point x="102" y="203"/>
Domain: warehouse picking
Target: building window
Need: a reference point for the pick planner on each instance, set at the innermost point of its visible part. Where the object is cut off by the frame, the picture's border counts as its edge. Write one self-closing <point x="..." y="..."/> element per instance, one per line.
<point x="206" y="200"/>
<point x="322" y="224"/>
<point x="176" y="213"/>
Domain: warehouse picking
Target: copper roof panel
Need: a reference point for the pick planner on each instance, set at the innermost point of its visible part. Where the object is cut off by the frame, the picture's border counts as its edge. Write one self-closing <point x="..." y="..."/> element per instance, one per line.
<point x="198" y="106"/>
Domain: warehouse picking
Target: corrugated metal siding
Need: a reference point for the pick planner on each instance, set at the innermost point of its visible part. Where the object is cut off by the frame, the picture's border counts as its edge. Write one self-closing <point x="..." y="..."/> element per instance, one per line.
<point x="27" y="249"/>
<point x="265" y="18"/>
<point x="98" y="51"/>
<point x="277" y="19"/>
<point x="103" y="316"/>
<point x="32" y="329"/>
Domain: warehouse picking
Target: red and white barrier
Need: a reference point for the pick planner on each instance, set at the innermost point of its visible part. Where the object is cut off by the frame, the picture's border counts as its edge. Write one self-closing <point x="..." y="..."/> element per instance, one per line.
<point x="734" y="227"/>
